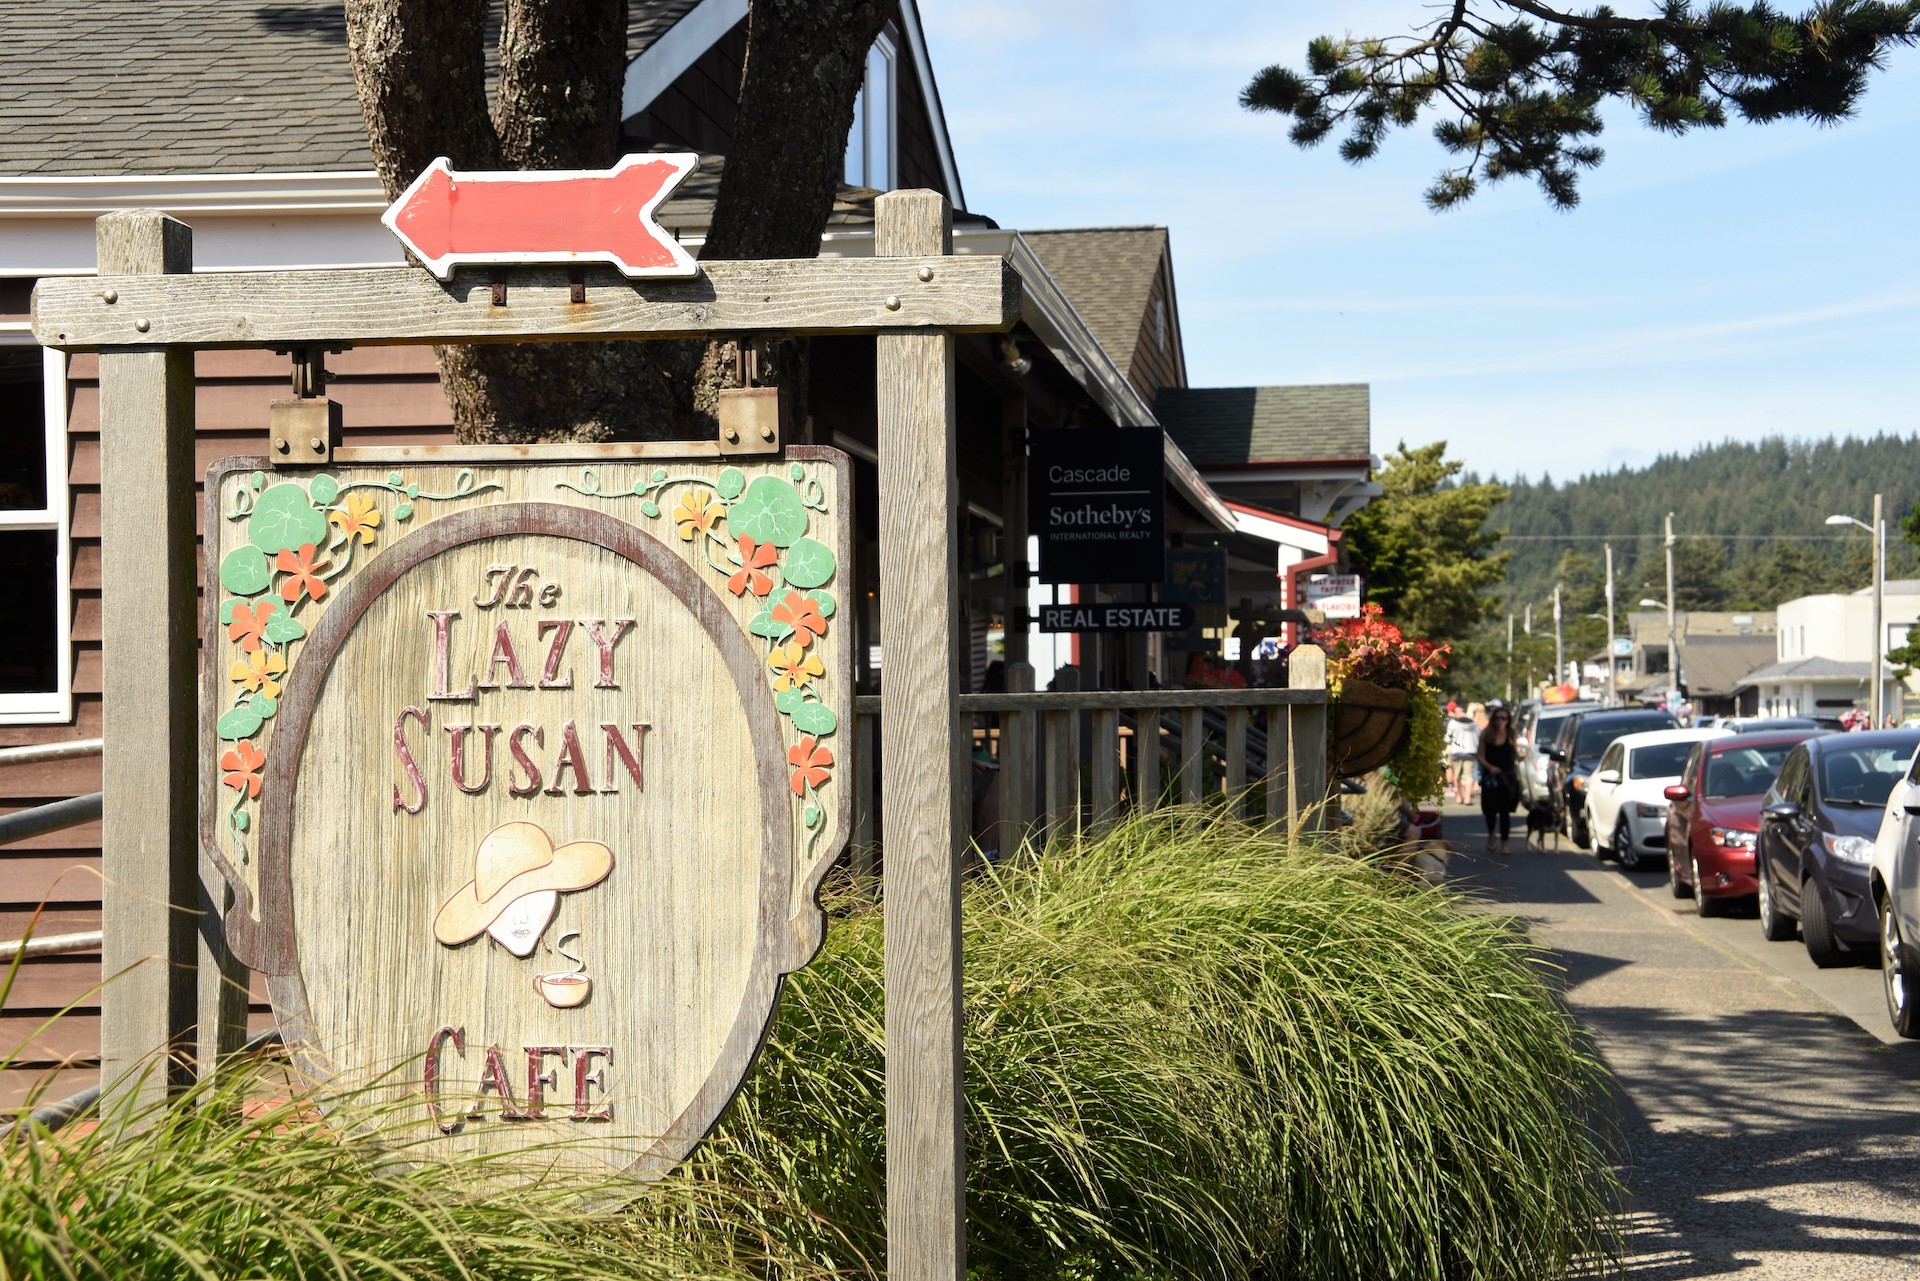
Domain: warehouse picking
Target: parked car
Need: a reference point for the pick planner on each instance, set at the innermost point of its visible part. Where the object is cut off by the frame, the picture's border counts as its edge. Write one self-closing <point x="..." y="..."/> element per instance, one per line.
<point x="1575" y="753"/>
<point x="1626" y="797"/>
<point x="1814" y="853"/>
<point x="1535" y="726"/>
<point x="1763" y="724"/>
<point x="1715" y="815"/>
<point x="1895" y="885"/>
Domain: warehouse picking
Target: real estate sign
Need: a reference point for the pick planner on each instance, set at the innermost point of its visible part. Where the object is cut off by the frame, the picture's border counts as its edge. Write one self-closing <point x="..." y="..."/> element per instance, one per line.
<point x="1098" y="504"/>
<point x="525" y="776"/>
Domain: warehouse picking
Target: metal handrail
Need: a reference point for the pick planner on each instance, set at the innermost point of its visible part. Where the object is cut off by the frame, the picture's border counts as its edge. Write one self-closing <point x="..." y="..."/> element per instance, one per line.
<point x="33" y="753"/>
<point x="24" y="824"/>
<point x="55" y="1115"/>
<point x="50" y="945"/>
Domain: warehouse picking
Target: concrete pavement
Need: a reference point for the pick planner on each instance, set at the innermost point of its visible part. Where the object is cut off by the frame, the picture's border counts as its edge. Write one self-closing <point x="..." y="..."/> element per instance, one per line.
<point x="1770" y="1123"/>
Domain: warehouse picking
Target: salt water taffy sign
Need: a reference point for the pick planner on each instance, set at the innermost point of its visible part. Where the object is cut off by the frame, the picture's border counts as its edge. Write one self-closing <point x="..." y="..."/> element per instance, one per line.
<point x="525" y="777"/>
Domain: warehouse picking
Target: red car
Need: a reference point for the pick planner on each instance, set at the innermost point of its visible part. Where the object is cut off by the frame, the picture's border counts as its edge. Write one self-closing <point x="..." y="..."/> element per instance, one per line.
<point x="1715" y="815"/>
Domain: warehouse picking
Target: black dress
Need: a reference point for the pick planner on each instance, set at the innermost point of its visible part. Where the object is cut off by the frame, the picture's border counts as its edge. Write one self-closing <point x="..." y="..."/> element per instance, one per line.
<point x="1499" y="793"/>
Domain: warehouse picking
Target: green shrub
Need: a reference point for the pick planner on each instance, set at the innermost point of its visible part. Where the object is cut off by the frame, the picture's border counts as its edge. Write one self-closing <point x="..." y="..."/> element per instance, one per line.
<point x="1193" y="1051"/>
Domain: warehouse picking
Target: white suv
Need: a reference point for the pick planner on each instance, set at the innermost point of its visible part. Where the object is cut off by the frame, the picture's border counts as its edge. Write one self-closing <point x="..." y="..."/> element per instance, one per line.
<point x="1896" y="891"/>
<point x="1626" y="805"/>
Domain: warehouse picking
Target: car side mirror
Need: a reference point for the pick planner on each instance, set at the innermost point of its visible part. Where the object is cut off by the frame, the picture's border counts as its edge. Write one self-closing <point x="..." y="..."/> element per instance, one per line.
<point x="1676" y="792"/>
<point x="1555" y="754"/>
<point x="1607" y="776"/>
<point x="1913" y="808"/>
<point x="1782" y="811"/>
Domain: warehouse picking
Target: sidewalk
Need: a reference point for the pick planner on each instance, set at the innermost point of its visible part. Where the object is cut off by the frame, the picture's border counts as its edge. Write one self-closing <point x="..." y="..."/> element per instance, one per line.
<point x="1763" y="1135"/>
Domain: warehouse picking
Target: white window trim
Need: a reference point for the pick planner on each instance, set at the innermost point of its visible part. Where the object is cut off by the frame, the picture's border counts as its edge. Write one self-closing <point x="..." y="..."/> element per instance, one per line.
<point x="55" y="706"/>
<point x="889" y="55"/>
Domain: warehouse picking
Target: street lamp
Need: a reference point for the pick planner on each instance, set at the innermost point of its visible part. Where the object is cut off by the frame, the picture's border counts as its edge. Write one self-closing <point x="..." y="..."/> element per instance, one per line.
<point x="1878" y="532"/>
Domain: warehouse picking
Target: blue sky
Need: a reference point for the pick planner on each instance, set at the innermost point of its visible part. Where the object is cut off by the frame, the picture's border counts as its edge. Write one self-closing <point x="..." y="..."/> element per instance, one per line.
<point x="1737" y="283"/>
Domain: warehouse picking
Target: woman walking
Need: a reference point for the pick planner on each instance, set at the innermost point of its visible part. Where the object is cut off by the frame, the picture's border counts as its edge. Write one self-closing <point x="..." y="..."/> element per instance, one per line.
<point x="1499" y="784"/>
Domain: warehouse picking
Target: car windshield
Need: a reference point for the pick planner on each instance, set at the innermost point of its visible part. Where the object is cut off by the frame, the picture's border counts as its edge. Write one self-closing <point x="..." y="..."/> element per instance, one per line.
<point x="1861" y="775"/>
<point x="1592" y="737"/>
<point x="1744" y="771"/>
<point x="1661" y="760"/>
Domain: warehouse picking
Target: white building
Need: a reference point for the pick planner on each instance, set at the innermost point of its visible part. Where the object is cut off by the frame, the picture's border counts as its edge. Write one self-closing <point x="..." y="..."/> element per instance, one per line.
<point x="1825" y="653"/>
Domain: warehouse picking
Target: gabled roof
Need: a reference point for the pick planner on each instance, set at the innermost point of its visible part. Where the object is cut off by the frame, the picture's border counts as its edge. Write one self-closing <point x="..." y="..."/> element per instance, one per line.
<point x="1107" y="274"/>
<point x="1719" y="665"/>
<point x="1813" y="668"/>
<point x="107" y="87"/>
<point x="1241" y="426"/>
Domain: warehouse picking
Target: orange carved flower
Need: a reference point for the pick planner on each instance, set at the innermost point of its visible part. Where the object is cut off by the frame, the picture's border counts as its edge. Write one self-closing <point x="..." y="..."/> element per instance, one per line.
<point x="242" y="765"/>
<point x="754" y="559"/>
<point x="810" y="763"/>
<point x="249" y="621"/>
<point x="257" y="671"/>
<point x="802" y="613"/>
<point x="357" y="518"/>
<point x="302" y="577"/>
<point x="795" y="665"/>
<point x="695" y="513"/>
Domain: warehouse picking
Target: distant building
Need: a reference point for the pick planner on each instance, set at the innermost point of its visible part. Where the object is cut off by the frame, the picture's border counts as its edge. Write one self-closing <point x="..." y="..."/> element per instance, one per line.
<point x="1716" y="650"/>
<point x="1823" y="659"/>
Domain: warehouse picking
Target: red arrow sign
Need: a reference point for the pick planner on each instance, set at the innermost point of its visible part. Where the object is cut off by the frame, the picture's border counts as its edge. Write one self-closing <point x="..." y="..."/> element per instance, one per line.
<point x="450" y="219"/>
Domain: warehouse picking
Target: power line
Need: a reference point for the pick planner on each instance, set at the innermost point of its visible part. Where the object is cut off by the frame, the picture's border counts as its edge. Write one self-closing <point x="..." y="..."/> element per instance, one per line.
<point x="1604" y="538"/>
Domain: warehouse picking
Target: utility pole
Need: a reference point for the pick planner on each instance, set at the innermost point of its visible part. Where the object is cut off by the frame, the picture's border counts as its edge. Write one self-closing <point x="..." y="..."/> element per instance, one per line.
<point x="1877" y="693"/>
<point x="1559" y="641"/>
<point x="1509" y="658"/>
<point x="1613" y="676"/>
<point x="1673" y="645"/>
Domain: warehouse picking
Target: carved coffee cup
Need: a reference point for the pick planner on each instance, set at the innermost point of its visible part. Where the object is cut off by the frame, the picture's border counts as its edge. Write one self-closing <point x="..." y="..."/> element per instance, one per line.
<point x="563" y="991"/>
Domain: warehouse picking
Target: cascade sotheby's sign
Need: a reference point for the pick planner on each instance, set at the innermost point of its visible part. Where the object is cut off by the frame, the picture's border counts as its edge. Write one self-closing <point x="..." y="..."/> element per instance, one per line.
<point x="1098" y="504"/>
<point x="526" y="776"/>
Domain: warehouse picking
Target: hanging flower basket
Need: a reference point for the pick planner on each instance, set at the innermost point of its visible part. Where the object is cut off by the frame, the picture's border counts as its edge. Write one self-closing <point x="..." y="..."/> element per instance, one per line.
<point x="1369" y="724"/>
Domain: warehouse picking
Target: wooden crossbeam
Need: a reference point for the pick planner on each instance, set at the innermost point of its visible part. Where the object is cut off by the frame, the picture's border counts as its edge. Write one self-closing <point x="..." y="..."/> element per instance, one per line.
<point x="405" y="305"/>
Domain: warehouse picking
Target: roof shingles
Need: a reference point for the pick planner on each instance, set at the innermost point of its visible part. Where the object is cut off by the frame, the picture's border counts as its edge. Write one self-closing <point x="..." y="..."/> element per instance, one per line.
<point x="1107" y="274"/>
<point x="1237" y="426"/>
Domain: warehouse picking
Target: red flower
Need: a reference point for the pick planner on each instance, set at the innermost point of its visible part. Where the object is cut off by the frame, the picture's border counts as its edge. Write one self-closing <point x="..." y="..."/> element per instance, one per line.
<point x="243" y="765"/>
<point x="753" y="558"/>
<point x="1372" y="649"/>
<point x="301" y="576"/>
<point x="810" y="763"/>
<point x="249" y="622"/>
<point x="802" y="613"/>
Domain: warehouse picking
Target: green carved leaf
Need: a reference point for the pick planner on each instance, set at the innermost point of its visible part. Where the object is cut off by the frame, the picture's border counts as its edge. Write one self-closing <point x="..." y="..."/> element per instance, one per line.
<point x="403" y="511"/>
<point x="659" y="474"/>
<point x="811" y="815"/>
<point x="284" y="627"/>
<point x="257" y="480"/>
<point x="650" y="509"/>
<point x="239" y="820"/>
<point x="730" y="483"/>
<point x="788" y="699"/>
<point x="807" y="564"/>
<point x="264" y="705"/>
<point x="324" y="489"/>
<point x="765" y="624"/>
<point x="284" y="518"/>
<point x="394" y="478"/>
<point x="240" y="722"/>
<point x="244" y="572"/>
<point x="227" y="607"/>
<point x="798" y="472"/>
<point x="816" y="719"/>
<point x="769" y="512"/>
<point x="825" y="601"/>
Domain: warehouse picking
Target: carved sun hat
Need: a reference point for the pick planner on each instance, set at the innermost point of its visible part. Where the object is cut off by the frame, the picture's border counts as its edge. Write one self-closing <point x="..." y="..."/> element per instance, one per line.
<point x="514" y="860"/>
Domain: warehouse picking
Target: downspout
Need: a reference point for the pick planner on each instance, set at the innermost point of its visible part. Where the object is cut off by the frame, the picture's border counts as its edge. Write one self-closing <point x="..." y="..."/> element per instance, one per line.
<point x="1296" y="590"/>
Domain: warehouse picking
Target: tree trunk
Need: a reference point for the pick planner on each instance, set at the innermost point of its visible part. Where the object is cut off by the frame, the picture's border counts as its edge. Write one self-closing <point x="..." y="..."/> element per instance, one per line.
<point x="420" y="69"/>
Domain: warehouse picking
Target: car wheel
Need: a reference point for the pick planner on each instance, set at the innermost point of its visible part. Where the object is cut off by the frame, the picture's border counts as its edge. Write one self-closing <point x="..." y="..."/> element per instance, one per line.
<point x="1774" y="924"/>
<point x="1581" y="834"/>
<point x="1623" y="852"/>
<point x="1897" y="976"/>
<point x="1822" y="947"/>
<point x="1679" y="887"/>
<point x="1709" y="906"/>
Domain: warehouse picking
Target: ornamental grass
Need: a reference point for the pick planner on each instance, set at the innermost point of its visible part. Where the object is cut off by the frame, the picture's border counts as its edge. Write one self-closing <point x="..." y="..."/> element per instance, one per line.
<point x="1193" y="1050"/>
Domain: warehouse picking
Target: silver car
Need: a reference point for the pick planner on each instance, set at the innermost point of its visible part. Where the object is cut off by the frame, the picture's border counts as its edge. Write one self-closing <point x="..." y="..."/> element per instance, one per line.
<point x="1539" y="724"/>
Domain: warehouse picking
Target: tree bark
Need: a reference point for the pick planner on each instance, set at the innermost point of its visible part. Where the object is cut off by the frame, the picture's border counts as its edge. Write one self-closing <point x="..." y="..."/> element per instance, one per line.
<point x="420" y="69"/>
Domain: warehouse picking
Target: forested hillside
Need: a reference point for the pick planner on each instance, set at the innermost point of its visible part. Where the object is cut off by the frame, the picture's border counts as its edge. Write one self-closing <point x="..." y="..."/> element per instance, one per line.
<point x="1751" y="520"/>
<point x="1750" y="524"/>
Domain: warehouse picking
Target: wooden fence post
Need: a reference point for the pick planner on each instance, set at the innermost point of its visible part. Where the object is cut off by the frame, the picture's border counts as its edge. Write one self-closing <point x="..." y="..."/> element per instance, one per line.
<point x="1307" y="743"/>
<point x="150" y="770"/>
<point x="925" y="761"/>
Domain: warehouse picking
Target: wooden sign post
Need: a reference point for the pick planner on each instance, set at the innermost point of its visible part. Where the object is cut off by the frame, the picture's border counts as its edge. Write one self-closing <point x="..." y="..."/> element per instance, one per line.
<point x="490" y="733"/>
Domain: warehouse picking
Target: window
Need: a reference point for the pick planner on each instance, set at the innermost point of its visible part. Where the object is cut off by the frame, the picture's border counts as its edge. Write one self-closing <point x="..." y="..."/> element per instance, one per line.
<point x="871" y="151"/>
<point x="1160" y="323"/>
<point x="36" y="664"/>
<point x="1744" y="771"/>
<point x="1661" y="760"/>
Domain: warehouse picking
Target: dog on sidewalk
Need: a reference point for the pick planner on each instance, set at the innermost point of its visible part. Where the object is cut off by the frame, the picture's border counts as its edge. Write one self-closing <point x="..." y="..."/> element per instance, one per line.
<point x="1540" y="826"/>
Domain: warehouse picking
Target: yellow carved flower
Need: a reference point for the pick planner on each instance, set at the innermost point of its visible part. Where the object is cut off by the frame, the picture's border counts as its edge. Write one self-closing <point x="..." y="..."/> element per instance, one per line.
<point x="357" y="518"/>
<point x="257" y="671"/>
<point x="795" y="665"/>
<point x="695" y="513"/>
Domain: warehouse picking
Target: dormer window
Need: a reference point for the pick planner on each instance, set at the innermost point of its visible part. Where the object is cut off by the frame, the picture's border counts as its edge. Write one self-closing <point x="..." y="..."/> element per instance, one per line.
<point x="871" y="143"/>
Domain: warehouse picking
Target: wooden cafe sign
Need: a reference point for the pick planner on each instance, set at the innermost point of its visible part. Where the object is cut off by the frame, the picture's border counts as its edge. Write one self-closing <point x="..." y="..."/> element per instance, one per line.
<point x="522" y="764"/>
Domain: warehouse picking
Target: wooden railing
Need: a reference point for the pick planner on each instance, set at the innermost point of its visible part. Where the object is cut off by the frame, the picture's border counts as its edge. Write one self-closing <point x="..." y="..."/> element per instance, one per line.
<point x="1073" y="761"/>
